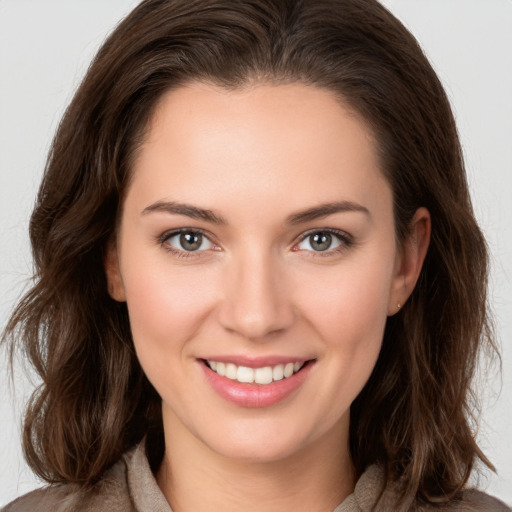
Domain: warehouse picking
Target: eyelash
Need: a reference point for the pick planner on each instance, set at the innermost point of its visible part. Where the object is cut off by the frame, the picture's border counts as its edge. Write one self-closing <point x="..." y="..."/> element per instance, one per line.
<point x="165" y="237"/>
<point x="346" y="241"/>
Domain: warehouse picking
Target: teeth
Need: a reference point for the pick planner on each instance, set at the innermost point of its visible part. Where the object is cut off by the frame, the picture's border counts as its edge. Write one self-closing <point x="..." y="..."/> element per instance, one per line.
<point x="278" y="372"/>
<point x="264" y="375"/>
<point x="244" y="374"/>
<point x="231" y="371"/>
<point x="288" y="370"/>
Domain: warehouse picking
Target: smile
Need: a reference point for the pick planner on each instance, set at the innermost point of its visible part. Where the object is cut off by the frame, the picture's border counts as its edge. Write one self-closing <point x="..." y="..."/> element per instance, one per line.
<point x="254" y="383"/>
<point x="262" y="376"/>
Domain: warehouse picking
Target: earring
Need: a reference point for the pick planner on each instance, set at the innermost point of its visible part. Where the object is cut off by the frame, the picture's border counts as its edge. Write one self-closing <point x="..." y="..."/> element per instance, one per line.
<point x="399" y="305"/>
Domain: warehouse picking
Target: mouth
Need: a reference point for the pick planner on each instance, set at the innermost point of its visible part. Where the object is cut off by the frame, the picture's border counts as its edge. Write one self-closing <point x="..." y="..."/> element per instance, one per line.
<point x="262" y="376"/>
<point x="256" y="383"/>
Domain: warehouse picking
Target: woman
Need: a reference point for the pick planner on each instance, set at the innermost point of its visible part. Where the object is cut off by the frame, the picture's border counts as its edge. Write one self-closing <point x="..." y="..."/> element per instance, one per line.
<point x="257" y="264"/>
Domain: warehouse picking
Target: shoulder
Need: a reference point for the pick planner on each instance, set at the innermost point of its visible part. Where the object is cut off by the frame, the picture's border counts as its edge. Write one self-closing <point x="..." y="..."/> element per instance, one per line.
<point x="56" y="497"/>
<point x="476" y="501"/>
<point x="471" y="500"/>
<point x="110" y="494"/>
<point x="372" y="494"/>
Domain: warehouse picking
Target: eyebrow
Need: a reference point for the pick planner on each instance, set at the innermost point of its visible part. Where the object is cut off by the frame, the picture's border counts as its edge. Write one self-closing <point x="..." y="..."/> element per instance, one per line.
<point x="194" y="212"/>
<point x="187" y="210"/>
<point x="324" y="210"/>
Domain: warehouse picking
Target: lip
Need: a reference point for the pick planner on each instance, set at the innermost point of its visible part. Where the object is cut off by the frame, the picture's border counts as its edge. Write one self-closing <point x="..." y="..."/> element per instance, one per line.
<point x="256" y="395"/>
<point x="256" y="362"/>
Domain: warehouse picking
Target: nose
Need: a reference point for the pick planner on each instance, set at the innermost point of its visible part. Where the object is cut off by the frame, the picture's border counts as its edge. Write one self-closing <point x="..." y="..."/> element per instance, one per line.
<point x="256" y="302"/>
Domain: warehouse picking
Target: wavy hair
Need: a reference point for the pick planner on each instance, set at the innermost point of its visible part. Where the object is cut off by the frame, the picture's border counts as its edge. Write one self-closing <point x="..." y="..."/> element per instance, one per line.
<point x="414" y="416"/>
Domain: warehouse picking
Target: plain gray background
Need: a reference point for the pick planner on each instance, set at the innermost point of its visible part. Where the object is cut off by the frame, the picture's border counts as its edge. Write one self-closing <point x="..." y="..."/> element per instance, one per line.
<point x="45" y="47"/>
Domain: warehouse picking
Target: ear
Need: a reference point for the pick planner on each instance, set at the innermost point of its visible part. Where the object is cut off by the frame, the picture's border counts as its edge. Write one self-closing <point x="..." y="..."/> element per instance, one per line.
<point x="410" y="260"/>
<point x="113" y="273"/>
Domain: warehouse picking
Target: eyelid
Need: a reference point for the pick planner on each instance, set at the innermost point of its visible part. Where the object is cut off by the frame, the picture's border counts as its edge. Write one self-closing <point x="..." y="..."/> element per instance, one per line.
<point x="166" y="235"/>
<point x="346" y="241"/>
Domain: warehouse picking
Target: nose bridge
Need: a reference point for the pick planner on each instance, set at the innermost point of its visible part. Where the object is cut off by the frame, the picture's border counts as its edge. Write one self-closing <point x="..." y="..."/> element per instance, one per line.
<point x="256" y="302"/>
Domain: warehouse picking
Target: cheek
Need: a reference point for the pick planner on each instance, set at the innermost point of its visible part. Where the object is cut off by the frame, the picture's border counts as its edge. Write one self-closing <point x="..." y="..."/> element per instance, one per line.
<point x="350" y="316"/>
<point x="167" y="308"/>
<point x="350" y="303"/>
<point x="166" y="305"/>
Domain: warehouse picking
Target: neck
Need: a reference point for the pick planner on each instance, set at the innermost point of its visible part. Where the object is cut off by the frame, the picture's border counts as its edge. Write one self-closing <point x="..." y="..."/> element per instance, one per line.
<point x="194" y="478"/>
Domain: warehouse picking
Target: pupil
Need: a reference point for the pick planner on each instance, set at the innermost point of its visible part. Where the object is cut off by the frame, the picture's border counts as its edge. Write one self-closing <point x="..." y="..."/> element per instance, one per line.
<point x="321" y="241"/>
<point x="191" y="241"/>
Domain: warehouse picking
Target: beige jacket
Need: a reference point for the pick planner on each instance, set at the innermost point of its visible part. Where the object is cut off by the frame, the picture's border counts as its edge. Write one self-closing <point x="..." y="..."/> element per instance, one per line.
<point x="129" y="486"/>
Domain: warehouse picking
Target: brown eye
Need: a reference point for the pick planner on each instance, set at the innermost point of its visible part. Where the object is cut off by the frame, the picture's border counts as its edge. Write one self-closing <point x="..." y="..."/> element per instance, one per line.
<point x="320" y="241"/>
<point x="323" y="241"/>
<point x="191" y="241"/>
<point x="188" y="241"/>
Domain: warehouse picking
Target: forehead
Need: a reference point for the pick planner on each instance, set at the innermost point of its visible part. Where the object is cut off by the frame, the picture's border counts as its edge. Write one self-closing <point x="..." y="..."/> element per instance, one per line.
<point x="206" y="142"/>
<point x="292" y="111"/>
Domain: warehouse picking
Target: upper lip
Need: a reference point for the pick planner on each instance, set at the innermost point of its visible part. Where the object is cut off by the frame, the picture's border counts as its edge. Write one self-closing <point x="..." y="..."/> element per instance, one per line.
<point x="256" y="362"/>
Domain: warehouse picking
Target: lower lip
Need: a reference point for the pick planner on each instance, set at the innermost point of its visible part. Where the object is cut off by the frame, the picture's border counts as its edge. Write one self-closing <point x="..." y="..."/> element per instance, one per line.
<point x="255" y="395"/>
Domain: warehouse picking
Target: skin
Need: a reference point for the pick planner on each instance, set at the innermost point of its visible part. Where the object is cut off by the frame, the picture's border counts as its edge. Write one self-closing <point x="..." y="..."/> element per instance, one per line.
<point x="255" y="157"/>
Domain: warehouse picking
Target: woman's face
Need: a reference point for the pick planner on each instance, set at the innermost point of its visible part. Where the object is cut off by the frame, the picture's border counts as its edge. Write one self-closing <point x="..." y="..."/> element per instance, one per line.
<point x="257" y="243"/>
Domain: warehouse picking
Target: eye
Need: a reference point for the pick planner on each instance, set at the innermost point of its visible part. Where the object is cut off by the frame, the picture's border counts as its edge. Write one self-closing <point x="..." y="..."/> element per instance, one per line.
<point x="323" y="241"/>
<point x="187" y="241"/>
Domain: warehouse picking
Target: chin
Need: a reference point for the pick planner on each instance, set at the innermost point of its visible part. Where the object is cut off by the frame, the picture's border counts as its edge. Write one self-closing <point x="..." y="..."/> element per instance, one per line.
<point x="256" y="453"/>
<point x="264" y="442"/>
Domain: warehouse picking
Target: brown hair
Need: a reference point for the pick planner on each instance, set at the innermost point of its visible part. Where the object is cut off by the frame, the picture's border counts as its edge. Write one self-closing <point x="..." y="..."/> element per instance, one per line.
<point x="414" y="416"/>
